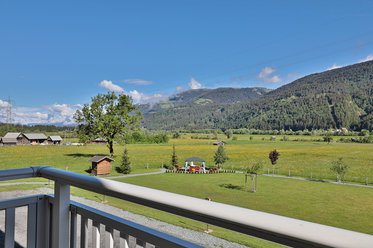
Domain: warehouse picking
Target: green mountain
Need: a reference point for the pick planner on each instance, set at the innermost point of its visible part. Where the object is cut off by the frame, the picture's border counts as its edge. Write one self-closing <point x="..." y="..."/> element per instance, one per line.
<point x="199" y="97"/>
<point x="332" y="99"/>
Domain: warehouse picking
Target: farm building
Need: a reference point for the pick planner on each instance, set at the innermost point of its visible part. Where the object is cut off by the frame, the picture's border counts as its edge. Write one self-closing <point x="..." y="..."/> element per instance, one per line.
<point x="8" y="141"/>
<point x="99" y="141"/>
<point x="13" y="139"/>
<point x="54" y="140"/>
<point x="101" y="165"/>
<point x="36" y="138"/>
<point x="219" y="143"/>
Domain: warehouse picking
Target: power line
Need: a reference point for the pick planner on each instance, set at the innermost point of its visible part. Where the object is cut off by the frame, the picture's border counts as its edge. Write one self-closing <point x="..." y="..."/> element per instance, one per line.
<point x="9" y="112"/>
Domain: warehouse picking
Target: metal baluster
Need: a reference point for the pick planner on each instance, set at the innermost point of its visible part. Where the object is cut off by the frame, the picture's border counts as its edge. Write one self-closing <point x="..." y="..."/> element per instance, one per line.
<point x="96" y="234"/>
<point x="124" y="240"/>
<point x="83" y="232"/>
<point x="109" y="237"/>
<point x="9" y="227"/>
<point x="31" y="224"/>
<point x="73" y="228"/>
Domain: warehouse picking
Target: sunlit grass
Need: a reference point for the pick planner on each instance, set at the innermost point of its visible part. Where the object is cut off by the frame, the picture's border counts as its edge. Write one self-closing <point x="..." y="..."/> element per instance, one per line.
<point x="300" y="158"/>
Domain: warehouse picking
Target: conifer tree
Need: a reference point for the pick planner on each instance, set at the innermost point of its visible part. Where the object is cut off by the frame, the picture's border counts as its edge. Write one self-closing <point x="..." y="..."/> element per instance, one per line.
<point x="220" y="156"/>
<point x="174" y="157"/>
<point x="125" y="165"/>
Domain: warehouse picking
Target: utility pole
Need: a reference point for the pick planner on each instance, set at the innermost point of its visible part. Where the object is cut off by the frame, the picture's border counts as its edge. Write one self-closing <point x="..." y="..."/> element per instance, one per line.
<point x="9" y="118"/>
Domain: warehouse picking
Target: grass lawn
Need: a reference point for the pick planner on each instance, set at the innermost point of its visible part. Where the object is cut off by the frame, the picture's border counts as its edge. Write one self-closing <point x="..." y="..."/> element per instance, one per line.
<point x="177" y="220"/>
<point x="19" y="187"/>
<point x="341" y="206"/>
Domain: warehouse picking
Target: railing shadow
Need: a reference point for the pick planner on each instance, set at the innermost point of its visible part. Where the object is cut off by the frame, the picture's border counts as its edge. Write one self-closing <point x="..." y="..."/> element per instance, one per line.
<point x="2" y="240"/>
<point x="78" y="155"/>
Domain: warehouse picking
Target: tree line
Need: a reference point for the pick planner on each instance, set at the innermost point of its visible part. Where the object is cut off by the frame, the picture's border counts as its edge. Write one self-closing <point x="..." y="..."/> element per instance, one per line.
<point x="18" y="128"/>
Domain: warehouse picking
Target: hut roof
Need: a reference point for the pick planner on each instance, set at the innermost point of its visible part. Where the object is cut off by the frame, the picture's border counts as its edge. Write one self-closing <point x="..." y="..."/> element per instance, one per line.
<point x="194" y="159"/>
<point x="12" y="135"/>
<point x="97" y="159"/>
<point x="8" y="140"/>
<point x="35" y="136"/>
<point x="54" y="138"/>
<point x="219" y="142"/>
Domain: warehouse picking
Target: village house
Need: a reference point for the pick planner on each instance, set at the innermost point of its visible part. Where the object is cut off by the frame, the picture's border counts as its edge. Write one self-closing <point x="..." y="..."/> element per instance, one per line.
<point x="36" y="138"/>
<point x="54" y="140"/>
<point x="13" y="139"/>
<point x="101" y="165"/>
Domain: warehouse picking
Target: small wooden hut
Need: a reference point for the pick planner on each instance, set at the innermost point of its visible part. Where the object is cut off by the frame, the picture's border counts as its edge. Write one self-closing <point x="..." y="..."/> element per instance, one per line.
<point x="54" y="140"/>
<point x="101" y="165"/>
<point x="219" y="143"/>
<point x="98" y="141"/>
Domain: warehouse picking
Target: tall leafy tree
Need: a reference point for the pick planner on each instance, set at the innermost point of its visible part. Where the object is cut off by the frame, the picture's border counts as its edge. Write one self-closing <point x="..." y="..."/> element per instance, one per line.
<point x="107" y="116"/>
<point x="340" y="169"/>
<point x="273" y="156"/>
<point x="220" y="156"/>
<point x="228" y="133"/>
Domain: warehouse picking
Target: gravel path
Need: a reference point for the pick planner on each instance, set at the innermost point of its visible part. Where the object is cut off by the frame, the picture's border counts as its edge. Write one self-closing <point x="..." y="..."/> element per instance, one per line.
<point x="200" y="238"/>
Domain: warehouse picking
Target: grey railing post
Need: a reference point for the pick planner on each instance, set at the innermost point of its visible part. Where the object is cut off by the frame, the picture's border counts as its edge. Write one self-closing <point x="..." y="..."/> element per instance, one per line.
<point x="60" y="218"/>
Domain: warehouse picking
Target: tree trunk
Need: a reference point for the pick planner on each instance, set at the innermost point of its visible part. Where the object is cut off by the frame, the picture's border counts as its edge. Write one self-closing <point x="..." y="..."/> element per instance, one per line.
<point x="111" y="148"/>
<point x="252" y="183"/>
<point x="256" y="181"/>
<point x="245" y="182"/>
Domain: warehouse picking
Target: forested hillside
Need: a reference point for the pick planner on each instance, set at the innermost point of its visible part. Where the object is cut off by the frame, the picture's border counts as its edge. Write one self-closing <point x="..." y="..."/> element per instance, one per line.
<point x="18" y="128"/>
<point x="199" y="97"/>
<point x="333" y="99"/>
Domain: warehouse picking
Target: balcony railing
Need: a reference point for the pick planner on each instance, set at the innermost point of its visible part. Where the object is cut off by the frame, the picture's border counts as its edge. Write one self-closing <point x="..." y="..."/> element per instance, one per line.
<point x="56" y="221"/>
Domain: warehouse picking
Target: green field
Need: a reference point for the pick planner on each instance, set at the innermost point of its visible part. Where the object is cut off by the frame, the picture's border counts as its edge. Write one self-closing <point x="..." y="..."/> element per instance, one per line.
<point x="299" y="158"/>
<point x="336" y="205"/>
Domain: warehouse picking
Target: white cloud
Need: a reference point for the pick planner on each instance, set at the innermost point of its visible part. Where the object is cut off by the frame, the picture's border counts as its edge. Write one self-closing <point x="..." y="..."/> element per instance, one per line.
<point x="369" y="57"/>
<point x="138" y="97"/>
<point x="194" y="84"/>
<point x="334" y="66"/>
<point x="56" y="114"/>
<point x="137" y="81"/>
<point x="3" y="104"/>
<point x="265" y="75"/>
<point x="141" y="98"/>
<point x="110" y="86"/>
<point x="179" y="89"/>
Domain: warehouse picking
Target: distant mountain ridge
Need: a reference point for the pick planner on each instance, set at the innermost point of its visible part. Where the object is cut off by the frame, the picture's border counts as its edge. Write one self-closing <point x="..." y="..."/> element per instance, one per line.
<point x="332" y="99"/>
<point x="199" y="97"/>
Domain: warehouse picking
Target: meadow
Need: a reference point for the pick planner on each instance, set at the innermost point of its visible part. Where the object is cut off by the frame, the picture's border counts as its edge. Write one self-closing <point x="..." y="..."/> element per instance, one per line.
<point x="304" y="158"/>
<point x="336" y="205"/>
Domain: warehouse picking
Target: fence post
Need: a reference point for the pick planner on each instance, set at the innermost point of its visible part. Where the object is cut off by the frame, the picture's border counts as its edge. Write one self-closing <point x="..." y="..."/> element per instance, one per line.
<point x="60" y="218"/>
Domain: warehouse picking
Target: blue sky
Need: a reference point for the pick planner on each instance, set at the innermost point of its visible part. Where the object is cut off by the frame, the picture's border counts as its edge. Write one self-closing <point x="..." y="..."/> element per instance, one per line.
<point x="54" y="56"/>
